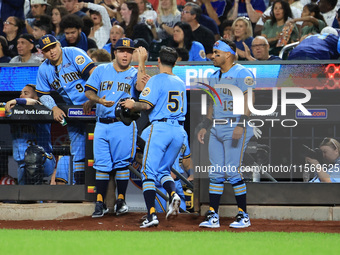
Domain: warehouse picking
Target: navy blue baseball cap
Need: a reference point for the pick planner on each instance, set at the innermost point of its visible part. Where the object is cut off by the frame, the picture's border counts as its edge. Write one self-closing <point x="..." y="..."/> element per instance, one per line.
<point x="47" y="40"/>
<point x="125" y="43"/>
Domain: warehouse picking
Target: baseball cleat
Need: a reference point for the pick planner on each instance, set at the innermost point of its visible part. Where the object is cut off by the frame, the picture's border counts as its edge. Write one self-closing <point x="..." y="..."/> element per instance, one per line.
<point x="242" y="221"/>
<point x="150" y="221"/>
<point x="100" y="210"/>
<point x="175" y="202"/>
<point x="212" y="220"/>
<point x="121" y="207"/>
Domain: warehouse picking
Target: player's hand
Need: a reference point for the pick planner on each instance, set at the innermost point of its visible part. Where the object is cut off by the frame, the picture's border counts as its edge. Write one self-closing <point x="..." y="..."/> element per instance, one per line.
<point x="201" y="134"/>
<point x="145" y="79"/>
<point x="237" y="133"/>
<point x="58" y="114"/>
<point x="87" y="107"/>
<point x="142" y="54"/>
<point x="106" y="103"/>
<point x="10" y="104"/>
<point x="128" y="103"/>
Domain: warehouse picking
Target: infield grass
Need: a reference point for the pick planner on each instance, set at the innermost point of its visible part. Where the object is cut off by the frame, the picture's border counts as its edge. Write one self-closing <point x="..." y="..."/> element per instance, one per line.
<point x="45" y="242"/>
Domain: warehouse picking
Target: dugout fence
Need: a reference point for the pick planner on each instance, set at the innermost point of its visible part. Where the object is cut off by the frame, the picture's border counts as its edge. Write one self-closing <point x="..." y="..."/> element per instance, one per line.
<point x="283" y="143"/>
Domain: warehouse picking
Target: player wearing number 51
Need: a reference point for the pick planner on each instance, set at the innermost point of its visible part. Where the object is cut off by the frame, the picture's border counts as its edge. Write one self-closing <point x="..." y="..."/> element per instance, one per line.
<point x="165" y="95"/>
<point x="227" y="143"/>
<point x="66" y="70"/>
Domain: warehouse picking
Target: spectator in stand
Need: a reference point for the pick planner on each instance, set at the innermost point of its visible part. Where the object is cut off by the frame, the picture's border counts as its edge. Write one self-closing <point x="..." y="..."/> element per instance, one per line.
<point x="260" y="49"/>
<point x="26" y="50"/>
<point x="168" y="16"/>
<point x="42" y="26"/>
<point x="208" y="22"/>
<point x="38" y="8"/>
<point x="58" y="13"/>
<point x="242" y="34"/>
<point x="216" y="9"/>
<point x="72" y="26"/>
<point x="183" y="38"/>
<point x="253" y="9"/>
<point x="144" y="13"/>
<point x="13" y="27"/>
<point x="133" y="29"/>
<point x="4" y="53"/>
<point x="329" y="11"/>
<point x="72" y="7"/>
<point x="296" y="13"/>
<point x="191" y="14"/>
<point x="272" y="28"/>
<point x="183" y="54"/>
<point x="313" y="21"/>
<point x="227" y="30"/>
<point x="100" y="55"/>
<point x="10" y="8"/>
<point x="102" y="24"/>
<point x="116" y="33"/>
<point x="321" y="46"/>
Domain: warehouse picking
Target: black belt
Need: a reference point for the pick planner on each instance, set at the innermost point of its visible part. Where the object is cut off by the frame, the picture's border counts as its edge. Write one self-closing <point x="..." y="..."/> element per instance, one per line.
<point x="166" y="120"/>
<point x="107" y="120"/>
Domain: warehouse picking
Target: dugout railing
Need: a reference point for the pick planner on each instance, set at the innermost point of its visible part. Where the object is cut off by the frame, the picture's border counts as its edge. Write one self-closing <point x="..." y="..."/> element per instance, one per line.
<point x="288" y="190"/>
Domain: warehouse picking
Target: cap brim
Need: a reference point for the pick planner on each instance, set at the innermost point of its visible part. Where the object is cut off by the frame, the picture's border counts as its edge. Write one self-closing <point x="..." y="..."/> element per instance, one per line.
<point x="48" y="45"/>
<point x="125" y="47"/>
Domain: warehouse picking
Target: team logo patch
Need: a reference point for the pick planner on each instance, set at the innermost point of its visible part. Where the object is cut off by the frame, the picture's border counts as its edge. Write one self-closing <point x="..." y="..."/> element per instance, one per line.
<point x="202" y="54"/>
<point x="80" y="60"/>
<point x="249" y="81"/>
<point x="145" y="92"/>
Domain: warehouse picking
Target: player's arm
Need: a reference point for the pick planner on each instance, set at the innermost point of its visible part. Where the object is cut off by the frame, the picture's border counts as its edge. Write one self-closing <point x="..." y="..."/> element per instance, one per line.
<point x="48" y="101"/>
<point x="136" y="106"/>
<point x="91" y="95"/>
<point x="206" y="123"/>
<point x="22" y="101"/>
<point x="141" y="75"/>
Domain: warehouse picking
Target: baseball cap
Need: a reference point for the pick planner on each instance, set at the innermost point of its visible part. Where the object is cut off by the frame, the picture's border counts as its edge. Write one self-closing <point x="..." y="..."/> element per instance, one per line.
<point x="47" y="40"/>
<point x="329" y="30"/>
<point x="125" y="43"/>
<point x="29" y="38"/>
<point x="39" y="2"/>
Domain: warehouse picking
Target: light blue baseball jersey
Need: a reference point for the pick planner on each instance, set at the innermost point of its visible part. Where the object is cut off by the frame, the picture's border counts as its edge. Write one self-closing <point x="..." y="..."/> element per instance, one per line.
<point x="106" y="81"/>
<point x="68" y="78"/>
<point x="238" y="76"/>
<point x="108" y="138"/>
<point x="166" y="94"/>
<point x="197" y="52"/>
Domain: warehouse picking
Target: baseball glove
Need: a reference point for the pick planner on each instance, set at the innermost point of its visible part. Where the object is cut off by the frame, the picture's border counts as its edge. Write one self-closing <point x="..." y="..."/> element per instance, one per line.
<point x="125" y="115"/>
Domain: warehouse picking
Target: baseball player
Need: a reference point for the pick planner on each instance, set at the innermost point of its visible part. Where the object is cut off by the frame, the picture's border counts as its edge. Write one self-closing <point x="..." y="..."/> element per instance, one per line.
<point x="114" y="143"/>
<point x="66" y="70"/>
<point x="24" y="135"/>
<point x="165" y="94"/>
<point x="228" y="142"/>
